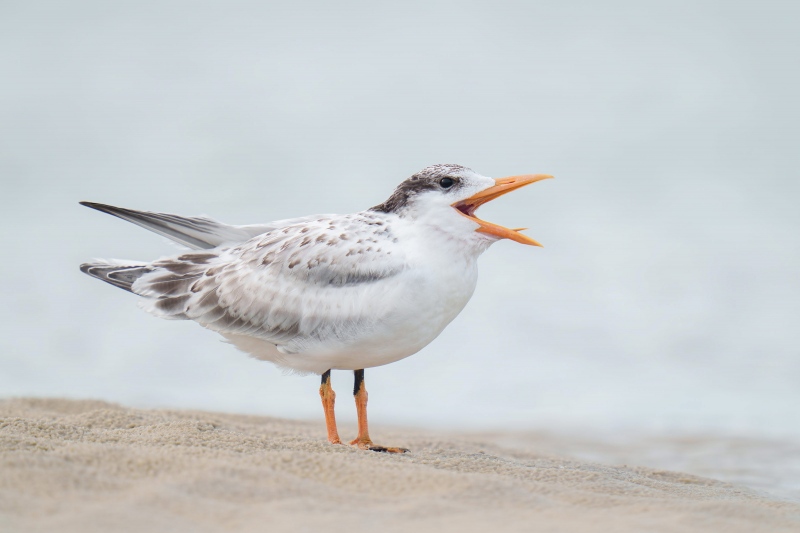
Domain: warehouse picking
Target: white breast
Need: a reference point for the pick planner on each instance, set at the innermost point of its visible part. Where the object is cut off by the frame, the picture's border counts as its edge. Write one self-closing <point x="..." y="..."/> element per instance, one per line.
<point x="401" y="314"/>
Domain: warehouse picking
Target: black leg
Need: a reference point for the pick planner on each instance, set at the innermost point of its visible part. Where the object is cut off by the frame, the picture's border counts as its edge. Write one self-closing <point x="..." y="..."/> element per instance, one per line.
<point x="358" y="382"/>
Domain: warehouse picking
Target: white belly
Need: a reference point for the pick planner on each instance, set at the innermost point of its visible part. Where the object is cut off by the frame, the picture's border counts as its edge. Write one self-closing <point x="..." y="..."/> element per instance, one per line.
<point x="411" y="313"/>
<point x="428" y="307"/>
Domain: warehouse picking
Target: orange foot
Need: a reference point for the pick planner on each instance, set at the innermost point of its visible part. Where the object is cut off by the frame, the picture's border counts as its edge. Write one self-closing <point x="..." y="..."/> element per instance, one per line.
<point x="369" y="445"/>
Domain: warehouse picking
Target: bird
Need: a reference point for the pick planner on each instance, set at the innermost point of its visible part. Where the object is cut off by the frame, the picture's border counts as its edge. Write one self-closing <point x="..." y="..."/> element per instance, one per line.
<point x="326" y="292"/>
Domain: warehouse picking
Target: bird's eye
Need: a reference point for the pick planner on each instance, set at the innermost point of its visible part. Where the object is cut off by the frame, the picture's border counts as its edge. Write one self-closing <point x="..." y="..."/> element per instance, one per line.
<point x="446" y="183"/>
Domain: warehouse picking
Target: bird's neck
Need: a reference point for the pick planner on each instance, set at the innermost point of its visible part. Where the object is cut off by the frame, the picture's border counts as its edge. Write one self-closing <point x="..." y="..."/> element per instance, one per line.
<point x="449" y="241"/>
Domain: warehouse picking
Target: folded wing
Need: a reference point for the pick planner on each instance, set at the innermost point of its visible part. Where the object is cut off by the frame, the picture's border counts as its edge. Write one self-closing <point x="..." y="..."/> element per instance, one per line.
<point x="198" y="232"/>
<point x="290" y="286"/>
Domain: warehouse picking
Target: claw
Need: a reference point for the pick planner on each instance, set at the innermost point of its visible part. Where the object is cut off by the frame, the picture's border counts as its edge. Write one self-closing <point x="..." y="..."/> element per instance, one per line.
<point x="389" y="449"/>
<point x="368" y="445"/>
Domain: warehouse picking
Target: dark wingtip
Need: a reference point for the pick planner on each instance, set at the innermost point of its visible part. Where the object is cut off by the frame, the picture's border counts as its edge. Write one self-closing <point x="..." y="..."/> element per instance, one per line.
<point x="105" y="208"/>
<point x="85" y="267"/>
<point x="95" y="205"/>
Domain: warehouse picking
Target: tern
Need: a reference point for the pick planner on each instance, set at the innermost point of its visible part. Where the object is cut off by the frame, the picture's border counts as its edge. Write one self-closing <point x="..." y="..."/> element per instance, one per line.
<point x="327" y="292"/>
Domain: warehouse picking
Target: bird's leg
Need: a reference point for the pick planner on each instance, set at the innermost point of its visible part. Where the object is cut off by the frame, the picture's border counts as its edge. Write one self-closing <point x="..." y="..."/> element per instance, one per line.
<point x="363" y="441"/>
<point x="328" y="399"/>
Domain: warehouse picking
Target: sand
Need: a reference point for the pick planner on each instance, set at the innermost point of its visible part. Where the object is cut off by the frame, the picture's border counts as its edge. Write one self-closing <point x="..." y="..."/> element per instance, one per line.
<point x="91" y="466"/>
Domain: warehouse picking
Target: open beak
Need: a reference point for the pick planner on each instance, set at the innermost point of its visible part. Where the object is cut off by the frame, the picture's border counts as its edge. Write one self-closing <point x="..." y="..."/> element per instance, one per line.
<point x="502" y="185"/>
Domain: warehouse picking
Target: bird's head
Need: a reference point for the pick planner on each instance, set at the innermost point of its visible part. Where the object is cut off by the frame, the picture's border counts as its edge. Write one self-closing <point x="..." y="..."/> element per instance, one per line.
<point x="449" y="195"/>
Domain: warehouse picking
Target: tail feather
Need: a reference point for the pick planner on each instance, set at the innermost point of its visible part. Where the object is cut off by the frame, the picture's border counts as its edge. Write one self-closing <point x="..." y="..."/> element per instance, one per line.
<point x="119" y="274"/>
<point x="166" y="286"/>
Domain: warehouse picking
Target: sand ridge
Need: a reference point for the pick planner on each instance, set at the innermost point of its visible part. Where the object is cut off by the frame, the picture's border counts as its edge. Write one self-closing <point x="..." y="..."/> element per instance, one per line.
<point x="87" y="466"/>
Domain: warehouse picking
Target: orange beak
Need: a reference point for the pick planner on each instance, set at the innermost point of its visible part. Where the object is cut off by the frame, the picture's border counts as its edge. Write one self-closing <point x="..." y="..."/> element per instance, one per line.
<point x="502" y="185"/>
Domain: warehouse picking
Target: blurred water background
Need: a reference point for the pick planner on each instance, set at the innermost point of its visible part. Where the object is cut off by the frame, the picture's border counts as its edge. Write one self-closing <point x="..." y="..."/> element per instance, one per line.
<point x="666" y="298"/>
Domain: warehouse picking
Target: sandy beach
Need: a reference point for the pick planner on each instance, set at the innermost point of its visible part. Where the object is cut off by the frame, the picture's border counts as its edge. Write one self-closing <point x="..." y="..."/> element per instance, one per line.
<point x="88" y="466"/>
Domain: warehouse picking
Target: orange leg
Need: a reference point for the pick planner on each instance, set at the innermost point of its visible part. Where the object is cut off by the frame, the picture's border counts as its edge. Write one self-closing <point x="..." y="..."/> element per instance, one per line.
<point x="363" y="441"/>
<point x="328" y="399"/>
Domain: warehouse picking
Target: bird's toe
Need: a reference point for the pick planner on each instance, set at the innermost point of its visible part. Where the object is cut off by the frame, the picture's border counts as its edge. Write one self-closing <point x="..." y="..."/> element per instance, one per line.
<point x="388" y="449"/>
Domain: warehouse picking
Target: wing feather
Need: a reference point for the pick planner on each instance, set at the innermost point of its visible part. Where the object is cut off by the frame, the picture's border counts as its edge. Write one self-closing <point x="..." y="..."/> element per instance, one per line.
<point x="197" y="232"/>
<point x="291" y="286"/>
